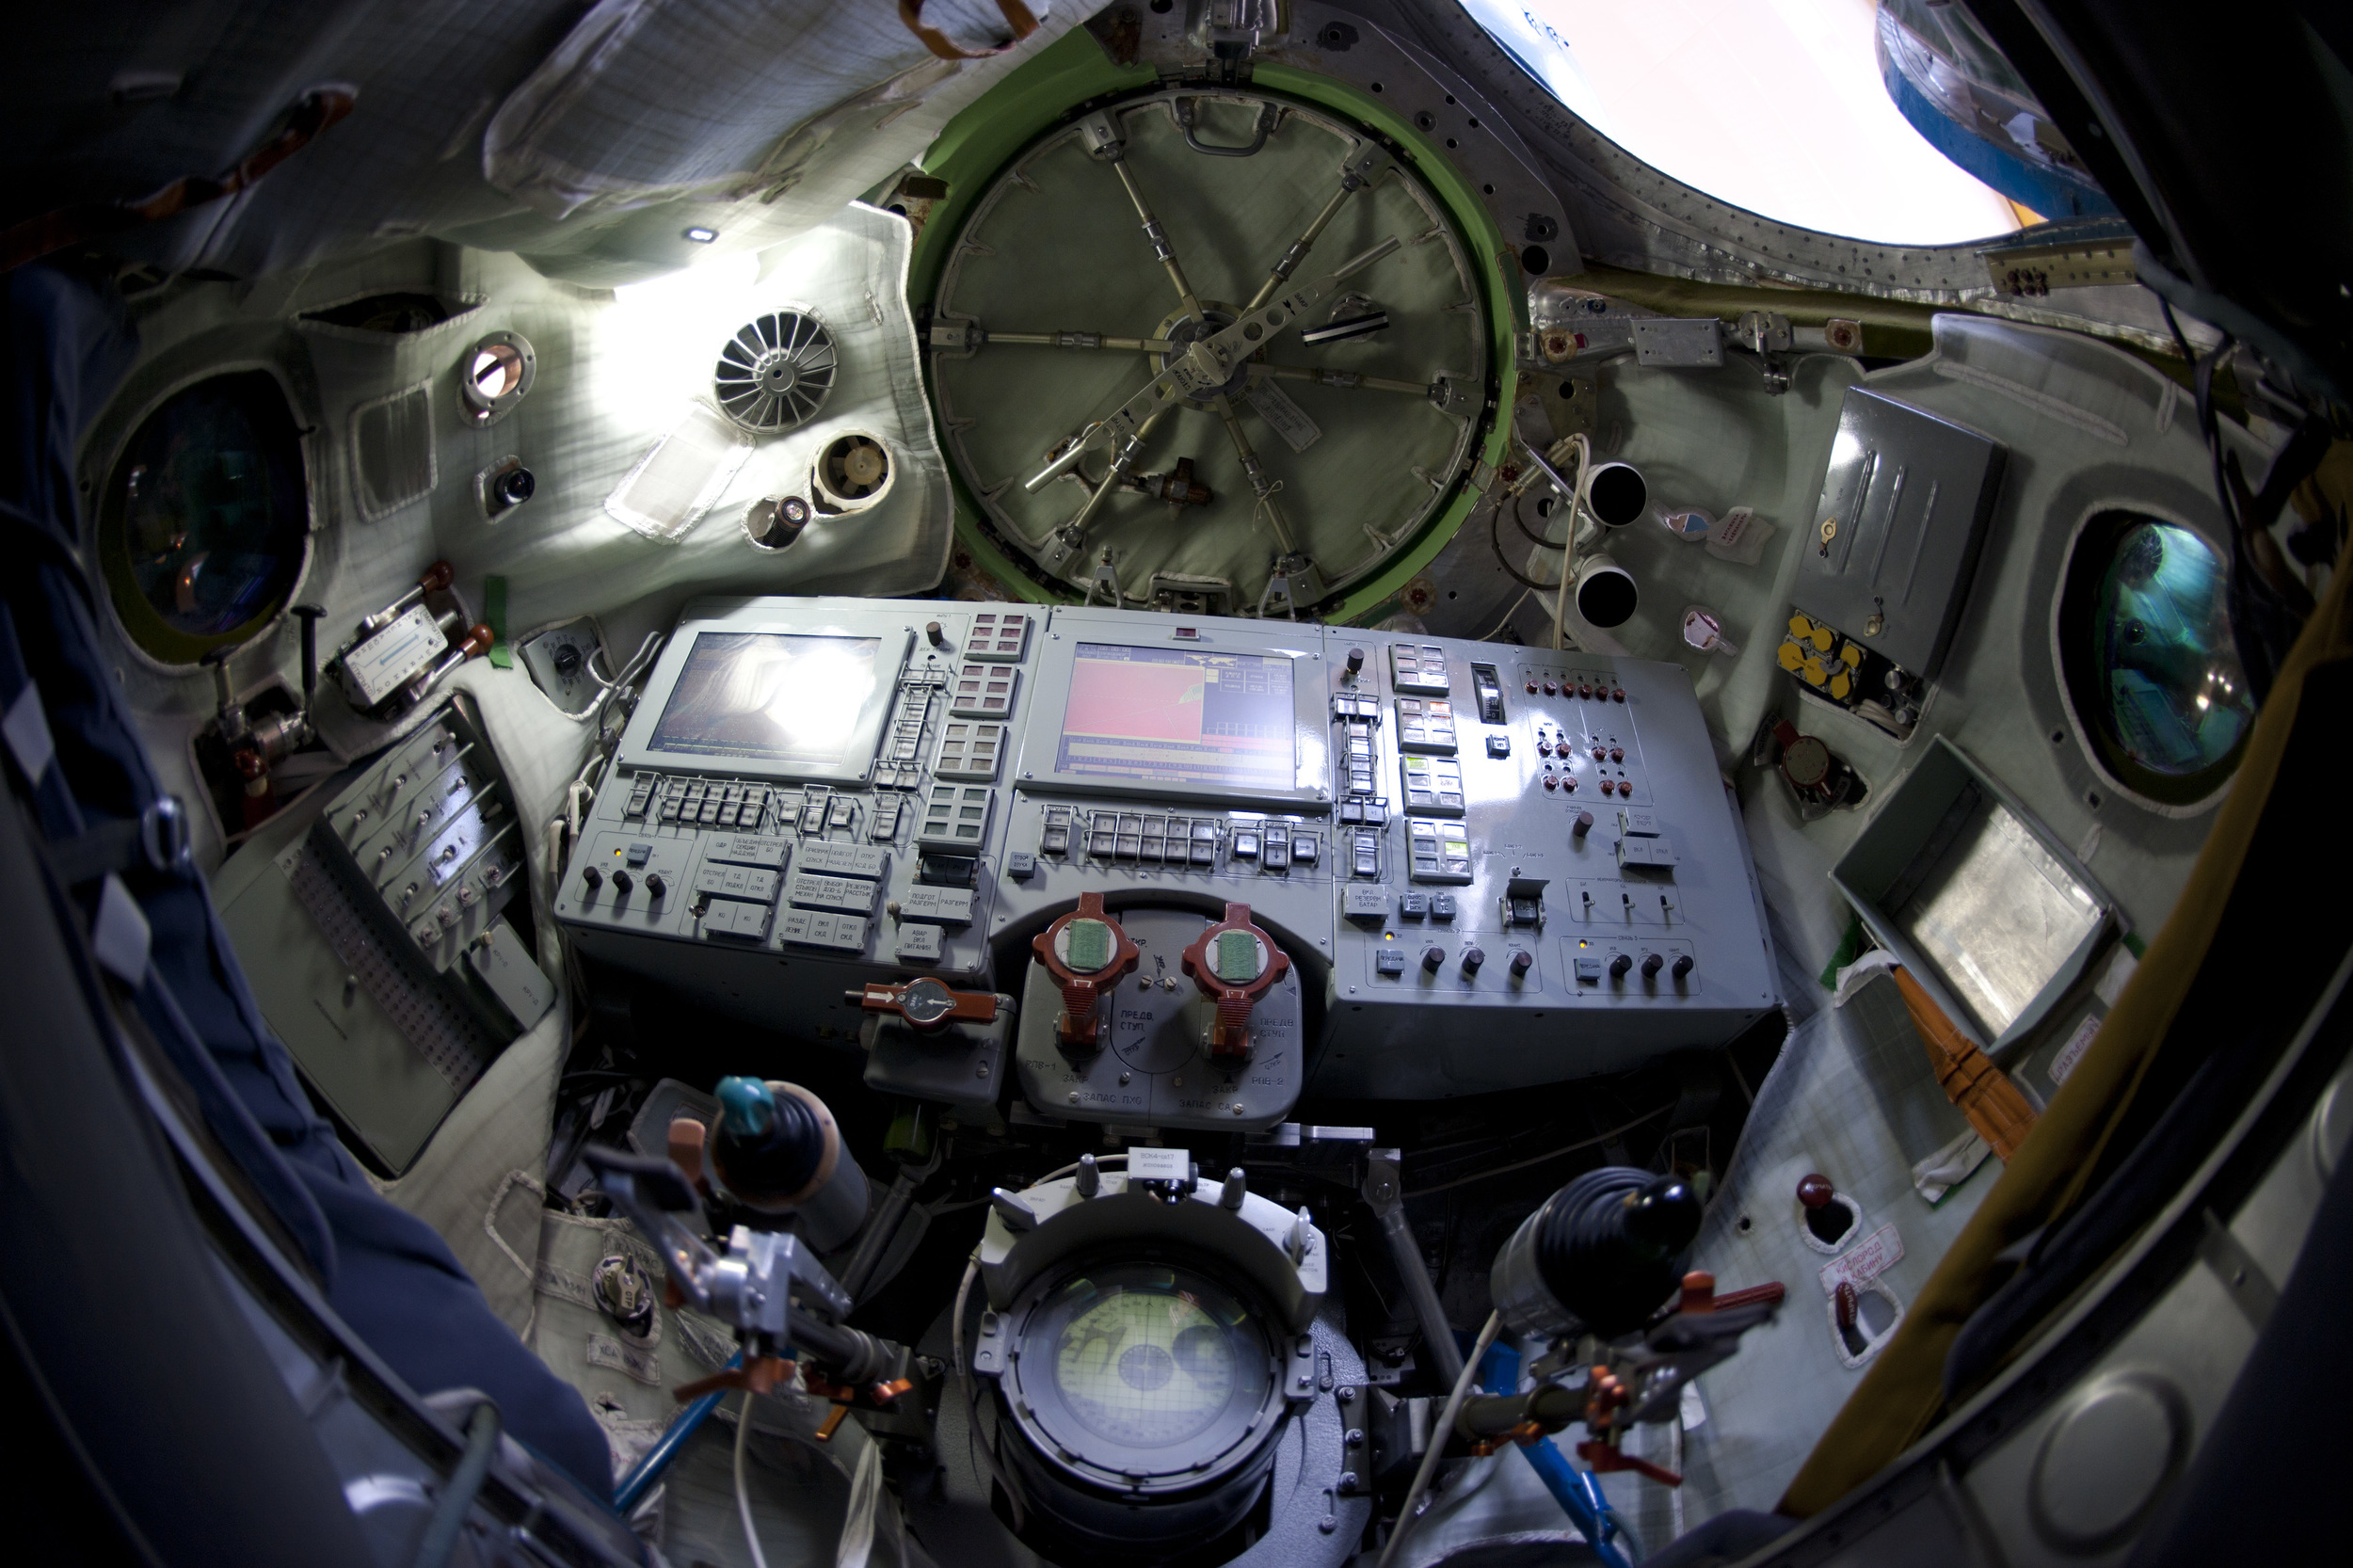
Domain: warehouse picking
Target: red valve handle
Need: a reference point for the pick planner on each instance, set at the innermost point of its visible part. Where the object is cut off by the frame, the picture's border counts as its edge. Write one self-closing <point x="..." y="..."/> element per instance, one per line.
<point x="1230" y="1034"/>
<point x="1083" y="989"/>
<point x="926" y="1003"/>
<point x="438" y="576"/>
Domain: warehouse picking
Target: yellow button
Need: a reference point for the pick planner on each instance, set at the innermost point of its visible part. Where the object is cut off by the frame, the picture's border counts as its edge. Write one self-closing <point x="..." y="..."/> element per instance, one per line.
<point x="1840" y="686"/>
<point x="1800" y="627"/>
<point x="1823" y="638"/>
<point x="1790" y="656"/>
<point x="1852" y="655"/>
<point x="1814" y="672"/>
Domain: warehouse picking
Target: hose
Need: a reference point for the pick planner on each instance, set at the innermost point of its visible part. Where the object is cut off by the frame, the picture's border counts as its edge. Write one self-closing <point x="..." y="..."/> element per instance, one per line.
<point x="1438" y="1435"/>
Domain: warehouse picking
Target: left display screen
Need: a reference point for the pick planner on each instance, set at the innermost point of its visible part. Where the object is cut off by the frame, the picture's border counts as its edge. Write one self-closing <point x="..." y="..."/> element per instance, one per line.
<point x="775" y="698"/>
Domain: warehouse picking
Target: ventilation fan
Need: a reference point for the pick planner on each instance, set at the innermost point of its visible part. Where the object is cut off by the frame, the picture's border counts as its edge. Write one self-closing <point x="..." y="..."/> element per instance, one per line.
<point x="852" y="472"/>
<point x="776" y="371"/>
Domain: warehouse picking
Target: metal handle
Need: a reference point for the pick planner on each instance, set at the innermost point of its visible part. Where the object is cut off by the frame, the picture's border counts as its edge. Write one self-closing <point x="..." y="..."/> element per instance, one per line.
<point x="1267" y="116"/>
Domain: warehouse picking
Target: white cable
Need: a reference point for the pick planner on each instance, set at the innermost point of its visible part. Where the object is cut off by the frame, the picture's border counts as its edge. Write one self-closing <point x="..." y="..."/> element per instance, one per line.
<point x="1568" y="540"/>
<point x="1438" y="1435"/>
<point x="743" y="1496"/>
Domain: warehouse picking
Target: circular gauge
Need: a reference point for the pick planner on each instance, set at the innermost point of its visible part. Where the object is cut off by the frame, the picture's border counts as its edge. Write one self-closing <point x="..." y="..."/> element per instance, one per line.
<point x="1147" y="1398"/>
<point x="1144" y="1367"/>
<point x="1343" y="432"/>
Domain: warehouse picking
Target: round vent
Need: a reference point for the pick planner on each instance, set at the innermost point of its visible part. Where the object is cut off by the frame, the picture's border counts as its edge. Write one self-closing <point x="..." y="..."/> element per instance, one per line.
<point x="851" y="471"/>
<point x="776" y="371"/>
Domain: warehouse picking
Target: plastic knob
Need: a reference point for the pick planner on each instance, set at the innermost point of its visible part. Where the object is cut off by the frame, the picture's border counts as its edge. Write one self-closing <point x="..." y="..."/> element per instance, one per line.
<point x="1531" y="688"/>
<point x="1433" y="959"/>
<point x="621" y="882"/>
<point x="935" y="634"/>
<point x="1521" y="963"/>
<point x="1814" y="1190"/>
<point x="1583" y="824"/>
<point x="1617" y="754"/>
<point x="1619" y="966"/>
<point x="1652" y="963"/>
<point x="655" y="887"/>
<point x="1472" y="958"/>
<point x="1682" y="965"/>
<point x="1356" y="660"/>
<point x="1552" y="781"/>
<point x="593" y="877"/>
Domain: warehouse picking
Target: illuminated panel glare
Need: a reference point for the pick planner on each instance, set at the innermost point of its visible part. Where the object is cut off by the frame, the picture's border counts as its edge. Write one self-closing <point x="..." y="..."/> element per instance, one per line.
<point x="770" y="697"/>
<point x="1179" y="715"/>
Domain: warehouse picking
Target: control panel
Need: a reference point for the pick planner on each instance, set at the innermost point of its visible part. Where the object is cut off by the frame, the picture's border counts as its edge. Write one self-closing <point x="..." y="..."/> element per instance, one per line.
<point x="1481" y="867"/>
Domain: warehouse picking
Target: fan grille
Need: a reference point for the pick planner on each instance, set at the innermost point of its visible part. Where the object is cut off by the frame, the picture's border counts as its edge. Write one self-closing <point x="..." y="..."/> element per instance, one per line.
<point x="776" y="371"/>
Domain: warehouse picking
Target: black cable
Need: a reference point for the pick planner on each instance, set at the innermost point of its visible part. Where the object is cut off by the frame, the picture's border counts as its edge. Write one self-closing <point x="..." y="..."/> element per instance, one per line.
<point x="1495" y="542"/>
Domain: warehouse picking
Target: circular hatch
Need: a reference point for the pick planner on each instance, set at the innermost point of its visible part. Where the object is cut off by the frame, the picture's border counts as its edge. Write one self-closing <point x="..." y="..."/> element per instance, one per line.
<point x="1340" y="435"/>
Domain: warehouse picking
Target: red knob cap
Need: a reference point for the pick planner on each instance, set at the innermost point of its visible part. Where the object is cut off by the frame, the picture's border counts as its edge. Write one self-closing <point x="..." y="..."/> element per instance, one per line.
<point x="1814" y="1190"/>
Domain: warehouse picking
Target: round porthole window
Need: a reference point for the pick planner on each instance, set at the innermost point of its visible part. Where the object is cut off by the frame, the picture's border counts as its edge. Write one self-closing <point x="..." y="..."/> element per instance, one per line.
<point x="205" y="517"/>
<point x="495" y="375"/>
<point x="2144" y="636"/>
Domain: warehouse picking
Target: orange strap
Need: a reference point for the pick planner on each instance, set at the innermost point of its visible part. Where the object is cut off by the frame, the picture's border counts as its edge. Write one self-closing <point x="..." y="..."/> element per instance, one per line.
<point x="1983" y="1091"/>
<point x="1017" y="17"/>
<point x="91" y="220"/>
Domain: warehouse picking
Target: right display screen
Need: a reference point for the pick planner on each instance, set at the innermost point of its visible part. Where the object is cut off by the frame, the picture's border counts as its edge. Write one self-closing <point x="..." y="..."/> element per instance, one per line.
<point x="1178" y="716"/>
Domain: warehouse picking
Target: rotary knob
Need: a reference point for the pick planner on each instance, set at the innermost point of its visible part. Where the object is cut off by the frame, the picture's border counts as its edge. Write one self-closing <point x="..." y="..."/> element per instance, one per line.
<point x="1620" y="966"/>
<point x="1434" y="959"/>
<point x="1652" y="963"/>
<point x="1472" y="958"/>
<point x="1522" y="961"/>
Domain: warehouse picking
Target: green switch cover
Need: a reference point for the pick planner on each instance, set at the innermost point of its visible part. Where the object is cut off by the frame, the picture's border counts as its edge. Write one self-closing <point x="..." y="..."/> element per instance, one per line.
<point x="1090" y="946"/>
<point x="1236" y="957"/>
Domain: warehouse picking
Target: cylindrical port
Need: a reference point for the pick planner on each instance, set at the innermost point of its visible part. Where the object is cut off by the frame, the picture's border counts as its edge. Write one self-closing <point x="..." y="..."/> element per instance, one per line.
<point x="1617" y="494"/>
<point x="1606" y="592"/>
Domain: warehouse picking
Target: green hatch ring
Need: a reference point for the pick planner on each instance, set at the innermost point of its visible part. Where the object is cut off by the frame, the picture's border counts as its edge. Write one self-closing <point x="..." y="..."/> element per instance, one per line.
<point x="1073" y="74"/>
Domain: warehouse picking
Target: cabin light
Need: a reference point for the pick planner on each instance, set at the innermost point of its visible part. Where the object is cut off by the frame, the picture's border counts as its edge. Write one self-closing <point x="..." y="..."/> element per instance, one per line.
<point x="2203" y="702"/>
<point x="701" y="235"/>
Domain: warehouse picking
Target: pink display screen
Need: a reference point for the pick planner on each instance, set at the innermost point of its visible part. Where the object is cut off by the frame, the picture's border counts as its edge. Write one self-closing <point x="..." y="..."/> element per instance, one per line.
<point x="1178" y="716"/>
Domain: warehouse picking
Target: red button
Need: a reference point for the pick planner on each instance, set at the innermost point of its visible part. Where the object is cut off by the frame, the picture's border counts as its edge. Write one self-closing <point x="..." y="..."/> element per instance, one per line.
<point x="1606" y="787"/>
<point x="1617" y="693"/>
<point x="1551" y="782"/>
<point x="1600" y="752"/>
<point x="1548" y="688"/>
<point x="1569" y="784"/>
<point x="1531" y="688"/>
<point x="1584" y="689"/>
<point x="1617" y="754"/>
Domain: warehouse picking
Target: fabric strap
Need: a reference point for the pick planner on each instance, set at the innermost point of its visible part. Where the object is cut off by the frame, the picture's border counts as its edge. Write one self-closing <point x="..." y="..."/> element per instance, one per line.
<point x="85" y="221"/>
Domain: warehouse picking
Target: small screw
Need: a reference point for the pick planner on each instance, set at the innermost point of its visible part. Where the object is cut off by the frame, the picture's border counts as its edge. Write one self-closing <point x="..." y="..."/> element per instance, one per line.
<point x="981" y="1071"/>
<point x="1074" y="1096"/>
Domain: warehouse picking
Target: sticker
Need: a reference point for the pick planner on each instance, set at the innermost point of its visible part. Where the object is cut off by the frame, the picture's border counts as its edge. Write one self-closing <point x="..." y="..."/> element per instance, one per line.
<point x="1864" y="1261"/>
<point x="2073" y="1052"/>
<point x="377" y="667"/>
<point x="1289" y="419"/>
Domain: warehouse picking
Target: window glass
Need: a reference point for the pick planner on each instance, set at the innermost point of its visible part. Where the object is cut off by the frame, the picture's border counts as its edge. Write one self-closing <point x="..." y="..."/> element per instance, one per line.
<point x="203" y="530"/>
<point x="2145" y="633"/>
<point x="1776" y="106"/>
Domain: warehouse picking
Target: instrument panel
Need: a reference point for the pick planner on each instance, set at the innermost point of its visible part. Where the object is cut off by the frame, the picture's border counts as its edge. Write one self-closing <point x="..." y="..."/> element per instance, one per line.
<point x="1490" y="867"/>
